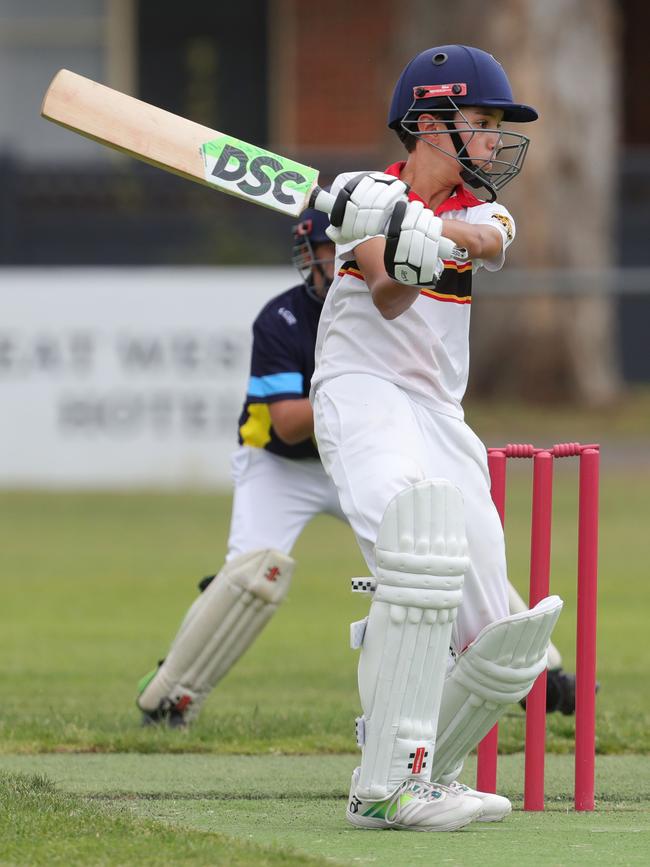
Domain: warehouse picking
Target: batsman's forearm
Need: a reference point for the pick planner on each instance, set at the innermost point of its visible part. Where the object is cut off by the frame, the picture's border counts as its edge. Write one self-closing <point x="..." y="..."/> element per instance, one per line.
<point x="392" y="298"/>
<point x="481" y="242"/>
<point x="389" y="297"/>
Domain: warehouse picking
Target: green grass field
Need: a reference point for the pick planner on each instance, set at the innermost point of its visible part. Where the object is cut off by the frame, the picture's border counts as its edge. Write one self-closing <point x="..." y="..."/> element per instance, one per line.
<point x="93" y="588"/>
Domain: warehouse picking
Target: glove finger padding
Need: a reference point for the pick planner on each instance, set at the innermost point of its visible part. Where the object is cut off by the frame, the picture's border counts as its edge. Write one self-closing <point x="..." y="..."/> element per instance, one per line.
<point x="383" y="197"/>
<point x="409" y="216"/>
<point x="363" y="206"/>
<point x="412" y="240"/>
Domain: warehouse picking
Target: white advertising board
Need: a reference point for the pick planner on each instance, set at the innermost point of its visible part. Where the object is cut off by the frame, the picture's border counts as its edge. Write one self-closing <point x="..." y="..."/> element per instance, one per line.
<point x="120" y="377"/>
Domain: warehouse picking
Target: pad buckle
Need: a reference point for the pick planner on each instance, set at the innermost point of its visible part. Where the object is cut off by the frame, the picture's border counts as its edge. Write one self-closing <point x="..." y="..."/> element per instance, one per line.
<point x="364" y="585"/>
<point x="360" y="730"/>
<point x="357" y="632"/>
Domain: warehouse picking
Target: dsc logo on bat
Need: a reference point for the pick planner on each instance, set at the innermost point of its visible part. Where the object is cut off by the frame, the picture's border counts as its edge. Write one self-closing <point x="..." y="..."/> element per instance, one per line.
<point x="251" y="172"/>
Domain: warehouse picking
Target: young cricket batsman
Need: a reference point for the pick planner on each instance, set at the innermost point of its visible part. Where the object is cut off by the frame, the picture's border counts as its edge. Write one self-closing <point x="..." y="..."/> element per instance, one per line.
<point x="392" y="363"/>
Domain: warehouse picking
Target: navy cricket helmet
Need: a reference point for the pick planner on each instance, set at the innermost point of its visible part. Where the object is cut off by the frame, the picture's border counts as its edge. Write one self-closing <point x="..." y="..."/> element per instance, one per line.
<point x="444" y="79"/>
<point x="307" y="233"/>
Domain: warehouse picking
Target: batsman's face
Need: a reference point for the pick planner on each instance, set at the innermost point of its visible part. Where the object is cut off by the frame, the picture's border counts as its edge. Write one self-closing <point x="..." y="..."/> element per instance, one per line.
<point x="480" y="130"/>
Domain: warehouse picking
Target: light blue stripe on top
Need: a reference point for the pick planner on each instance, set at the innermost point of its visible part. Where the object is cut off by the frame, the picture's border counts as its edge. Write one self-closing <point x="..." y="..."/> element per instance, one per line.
<point x="275" y="383"/>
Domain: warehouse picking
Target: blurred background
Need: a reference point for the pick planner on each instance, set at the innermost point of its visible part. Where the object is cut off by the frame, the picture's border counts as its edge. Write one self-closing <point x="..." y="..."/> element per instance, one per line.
<point x="126" y="302"/>
<point x="126" y="294"/>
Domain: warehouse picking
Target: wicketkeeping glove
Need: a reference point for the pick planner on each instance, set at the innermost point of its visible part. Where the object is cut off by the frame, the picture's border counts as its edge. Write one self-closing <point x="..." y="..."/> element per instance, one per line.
<point x="412" y="240"/>
<point x="363" y="206"/>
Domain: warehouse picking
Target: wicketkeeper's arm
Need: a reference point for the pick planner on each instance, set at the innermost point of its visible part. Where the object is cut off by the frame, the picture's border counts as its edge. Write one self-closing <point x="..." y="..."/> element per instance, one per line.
<point x="292" y="420"/>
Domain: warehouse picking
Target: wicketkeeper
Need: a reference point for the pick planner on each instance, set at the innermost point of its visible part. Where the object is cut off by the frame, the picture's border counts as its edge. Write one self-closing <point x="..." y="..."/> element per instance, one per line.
<point x="279" y="486"/>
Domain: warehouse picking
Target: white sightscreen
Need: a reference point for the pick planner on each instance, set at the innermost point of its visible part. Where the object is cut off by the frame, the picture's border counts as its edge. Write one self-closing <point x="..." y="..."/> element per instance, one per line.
<point x="125" y="377"/>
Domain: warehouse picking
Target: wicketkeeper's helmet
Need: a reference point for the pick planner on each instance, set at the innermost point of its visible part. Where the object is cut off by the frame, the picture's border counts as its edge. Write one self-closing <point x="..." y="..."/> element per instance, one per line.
<point x="306" y="234"/>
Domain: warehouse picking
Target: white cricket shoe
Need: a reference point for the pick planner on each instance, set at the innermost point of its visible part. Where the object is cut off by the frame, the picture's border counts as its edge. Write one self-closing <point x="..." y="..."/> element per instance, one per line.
<point x="413" y="806"/>
<point x="495" y="807"/>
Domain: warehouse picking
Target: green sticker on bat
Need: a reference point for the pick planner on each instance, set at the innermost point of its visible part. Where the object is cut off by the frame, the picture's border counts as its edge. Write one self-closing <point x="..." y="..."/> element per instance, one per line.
<point x="250" y="172"/>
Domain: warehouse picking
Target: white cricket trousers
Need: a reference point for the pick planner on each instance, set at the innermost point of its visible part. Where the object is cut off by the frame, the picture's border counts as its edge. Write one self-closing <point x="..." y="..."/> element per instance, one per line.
<point x="374" y="441"/>
<point x="274" y="499"/>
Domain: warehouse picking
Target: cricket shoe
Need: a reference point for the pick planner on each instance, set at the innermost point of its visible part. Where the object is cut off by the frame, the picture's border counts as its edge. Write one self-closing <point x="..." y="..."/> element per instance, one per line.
<point x="495" y="807"/>
<point x="413" y="806"/>
<point x="168" y="713"/>
<point x="164" y="716"/>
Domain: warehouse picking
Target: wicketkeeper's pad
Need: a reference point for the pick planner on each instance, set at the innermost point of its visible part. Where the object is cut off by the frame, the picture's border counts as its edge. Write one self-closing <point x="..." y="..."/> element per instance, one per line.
<point x="221" y="624"/>
<point x="421" y="555"/>
<point x="497" y="669"/>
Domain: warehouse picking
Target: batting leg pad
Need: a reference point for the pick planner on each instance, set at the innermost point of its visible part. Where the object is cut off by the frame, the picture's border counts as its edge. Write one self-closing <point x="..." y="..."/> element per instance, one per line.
<point x="422" y="558"/>
<point x="221" y="624"/>
<point x="497" y="669"/>
<point x="517" y="604"/>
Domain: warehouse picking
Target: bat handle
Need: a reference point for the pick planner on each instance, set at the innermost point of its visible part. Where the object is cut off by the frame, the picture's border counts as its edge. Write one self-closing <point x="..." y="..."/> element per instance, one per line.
<point x="323" y="201"/>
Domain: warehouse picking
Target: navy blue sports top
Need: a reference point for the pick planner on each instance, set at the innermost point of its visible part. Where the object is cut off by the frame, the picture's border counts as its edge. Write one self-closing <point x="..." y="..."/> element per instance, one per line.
<point x="282" y="365"/>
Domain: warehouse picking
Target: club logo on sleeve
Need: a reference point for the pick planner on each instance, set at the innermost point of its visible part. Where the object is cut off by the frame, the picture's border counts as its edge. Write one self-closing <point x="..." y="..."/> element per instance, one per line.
<point x="287" y="315"/>
<point x="506" y="222"/>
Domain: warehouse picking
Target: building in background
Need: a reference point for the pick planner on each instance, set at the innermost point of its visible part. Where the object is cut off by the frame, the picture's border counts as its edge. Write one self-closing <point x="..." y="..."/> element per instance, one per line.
<point x="302" y="78"/>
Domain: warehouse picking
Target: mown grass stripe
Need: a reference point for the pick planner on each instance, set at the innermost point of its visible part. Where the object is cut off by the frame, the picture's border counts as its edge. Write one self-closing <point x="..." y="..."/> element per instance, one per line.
<point x="40" y="825"/>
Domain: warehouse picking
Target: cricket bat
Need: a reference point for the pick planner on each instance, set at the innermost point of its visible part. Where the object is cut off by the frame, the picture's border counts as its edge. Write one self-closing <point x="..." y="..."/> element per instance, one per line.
<point x="188" y="149"/>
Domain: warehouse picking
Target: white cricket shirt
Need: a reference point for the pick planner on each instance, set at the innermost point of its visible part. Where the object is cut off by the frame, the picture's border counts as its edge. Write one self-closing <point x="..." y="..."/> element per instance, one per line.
<point x="425" y="350"/>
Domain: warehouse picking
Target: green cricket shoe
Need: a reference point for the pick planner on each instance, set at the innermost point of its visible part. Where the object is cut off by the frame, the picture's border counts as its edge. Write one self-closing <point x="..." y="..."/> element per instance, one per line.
<point x="166" y="713"/>
<point x="413" y="806"/>
<point x="144" y="682"/>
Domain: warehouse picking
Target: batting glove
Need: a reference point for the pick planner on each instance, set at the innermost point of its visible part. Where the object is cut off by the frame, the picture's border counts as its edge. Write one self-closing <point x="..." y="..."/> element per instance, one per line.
<point x="363" y="206"/>
<point x="412" y="240"/>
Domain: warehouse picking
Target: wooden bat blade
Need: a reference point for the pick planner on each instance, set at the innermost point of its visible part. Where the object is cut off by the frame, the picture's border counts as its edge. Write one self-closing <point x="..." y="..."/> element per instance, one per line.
<point x="188" y="149"/>
<point x="177" y="145"/>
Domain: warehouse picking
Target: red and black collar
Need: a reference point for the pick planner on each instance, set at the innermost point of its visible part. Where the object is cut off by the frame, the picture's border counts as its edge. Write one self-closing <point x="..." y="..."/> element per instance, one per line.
<point x="460" y="198"/>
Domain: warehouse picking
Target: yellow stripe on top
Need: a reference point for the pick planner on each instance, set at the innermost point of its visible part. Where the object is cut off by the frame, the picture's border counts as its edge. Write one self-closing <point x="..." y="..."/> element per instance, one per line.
<point x="461" y="267"/>
<point x="451" y="267"/>
<point x="350" y="271"/>
<point x="439" y="296"/>
<point x="256" y="430"/>
<point x="458" y="277"/>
